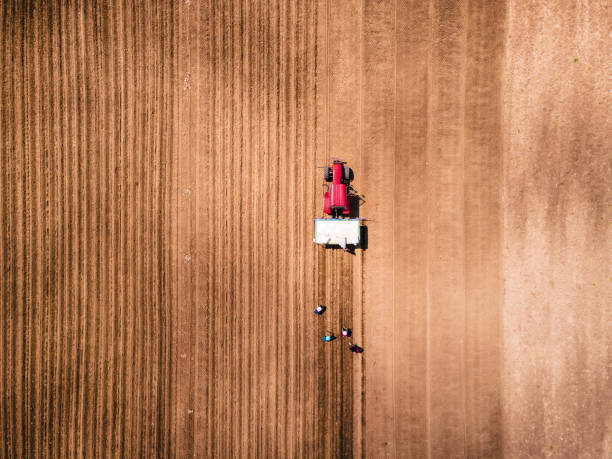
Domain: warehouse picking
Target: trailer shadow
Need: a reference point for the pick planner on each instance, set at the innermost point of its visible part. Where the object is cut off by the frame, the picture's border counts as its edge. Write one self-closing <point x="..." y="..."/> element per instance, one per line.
<point x="363" y="245"/>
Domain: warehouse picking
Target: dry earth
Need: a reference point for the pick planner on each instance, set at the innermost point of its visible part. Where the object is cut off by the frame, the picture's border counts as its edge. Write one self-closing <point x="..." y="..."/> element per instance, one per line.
<point x="159" y="180"/>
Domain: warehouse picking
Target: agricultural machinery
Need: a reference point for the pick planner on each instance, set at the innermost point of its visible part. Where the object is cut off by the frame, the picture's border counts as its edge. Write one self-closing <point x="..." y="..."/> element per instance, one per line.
<point x="340" y="229"/>
<point x="336" y="200"/>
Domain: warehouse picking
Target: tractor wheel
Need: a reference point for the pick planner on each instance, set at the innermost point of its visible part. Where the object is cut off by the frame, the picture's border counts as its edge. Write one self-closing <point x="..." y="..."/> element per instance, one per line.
<point x="348" y="174"/>
<point x="327" y="174"/>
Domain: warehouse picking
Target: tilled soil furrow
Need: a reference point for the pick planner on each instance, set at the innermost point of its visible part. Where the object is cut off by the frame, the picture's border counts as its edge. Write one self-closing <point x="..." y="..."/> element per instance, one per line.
<point x="160" y="175"/>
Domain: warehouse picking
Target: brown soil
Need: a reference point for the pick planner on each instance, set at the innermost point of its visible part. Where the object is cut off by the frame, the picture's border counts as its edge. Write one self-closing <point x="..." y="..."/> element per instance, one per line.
<point x="158" y="184"/>
<point x="557" y="317"/>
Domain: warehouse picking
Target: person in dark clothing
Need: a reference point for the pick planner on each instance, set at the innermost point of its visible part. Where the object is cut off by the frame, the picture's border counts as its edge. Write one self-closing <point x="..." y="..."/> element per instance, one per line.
<point x="356" y="349"/>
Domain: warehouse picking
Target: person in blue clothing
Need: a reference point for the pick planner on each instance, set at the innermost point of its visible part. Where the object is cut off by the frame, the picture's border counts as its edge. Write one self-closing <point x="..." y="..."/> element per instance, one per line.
<point x="320" y="310"/>
<point x="328" y="337"/>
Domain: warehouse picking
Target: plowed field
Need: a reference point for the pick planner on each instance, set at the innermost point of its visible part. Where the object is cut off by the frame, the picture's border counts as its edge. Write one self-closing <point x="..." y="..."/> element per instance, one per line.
<point x="160" y="172"/>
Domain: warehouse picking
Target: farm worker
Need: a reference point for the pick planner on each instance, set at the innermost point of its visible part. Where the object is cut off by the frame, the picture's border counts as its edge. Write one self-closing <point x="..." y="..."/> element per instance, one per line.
<point x="346" y="332"/>
<point x="320" y="309"/>
<point x="328" y="337"/>
<point x="356" y="349"/>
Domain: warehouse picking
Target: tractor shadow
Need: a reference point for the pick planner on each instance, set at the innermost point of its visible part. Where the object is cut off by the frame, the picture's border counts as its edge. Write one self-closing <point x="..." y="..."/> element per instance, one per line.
<point x="356" y="200"/>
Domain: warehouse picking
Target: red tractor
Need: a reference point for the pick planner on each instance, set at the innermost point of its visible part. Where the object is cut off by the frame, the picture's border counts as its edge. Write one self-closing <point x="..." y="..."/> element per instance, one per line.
<point x="336" y="200"/>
